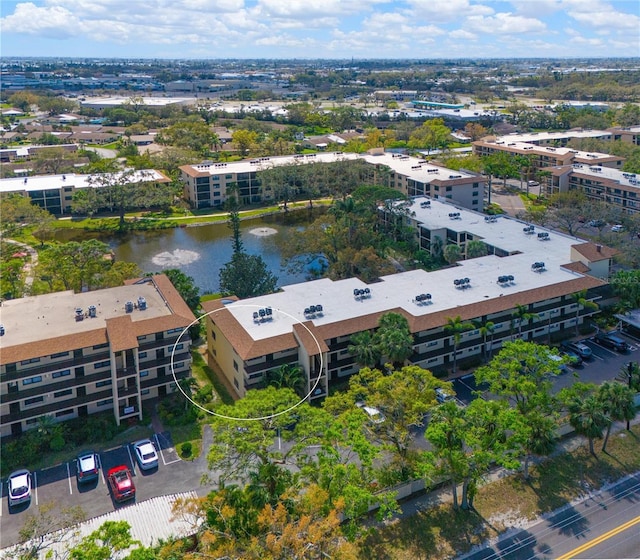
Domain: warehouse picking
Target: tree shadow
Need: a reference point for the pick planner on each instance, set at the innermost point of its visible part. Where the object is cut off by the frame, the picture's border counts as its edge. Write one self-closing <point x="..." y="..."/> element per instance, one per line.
<point x="520" y="544"/>
<point x="570" y="523"/>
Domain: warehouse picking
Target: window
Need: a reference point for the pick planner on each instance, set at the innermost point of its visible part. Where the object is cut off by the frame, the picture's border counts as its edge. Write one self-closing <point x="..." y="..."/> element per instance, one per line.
<point x="145" y="391"/>
<point x="235" y="365"/>
<point x="59" y="354"/>
<point x="99" y="365"/>
<point x="62" y="373"/>
<point x="235" y="382"/>
<point x="105" y="402"/>
<point x="103" y="383"/>
<point x="144" y="373"/>
<point x="64" y="412"/>
<point x="31" y="380"/>
<point x="179" y="365"/>
<point x="142" y="355"/>
<point x="179" y="346"/>
<point x="33" y="400"/>
<point x="99" y="346"/>
<point x="31" y="361"/>
<point x="213" y="334"/>
<point x="64" y="393"/>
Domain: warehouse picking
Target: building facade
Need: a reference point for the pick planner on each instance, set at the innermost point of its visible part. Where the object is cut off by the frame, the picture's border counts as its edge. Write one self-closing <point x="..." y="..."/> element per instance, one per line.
<point x="206" y="184"/>
<point x="312" y="324"/>
<point x="66" y="355"/>
<point x="55" y="192"/>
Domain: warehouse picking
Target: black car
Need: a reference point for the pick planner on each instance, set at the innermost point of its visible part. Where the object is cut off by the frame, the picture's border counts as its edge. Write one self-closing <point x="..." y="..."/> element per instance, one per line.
<point x="612" y="340"/>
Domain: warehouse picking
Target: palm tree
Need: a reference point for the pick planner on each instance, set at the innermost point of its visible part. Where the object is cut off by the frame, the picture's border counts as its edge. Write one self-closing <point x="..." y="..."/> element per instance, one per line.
<point x="456" y="327"/>
<point x="475" y="249"/>
<point x="581" y="301"/>
<point x="587" y="417"/>
<point x="290" y="376"/>
<point x="364" y="349"/>
<point x="393" y="337"/>
<point x="618" y="403"/>
<point x="486" y="329"/>
<point x="521" y="315"/>
<point x="540" y="439"/>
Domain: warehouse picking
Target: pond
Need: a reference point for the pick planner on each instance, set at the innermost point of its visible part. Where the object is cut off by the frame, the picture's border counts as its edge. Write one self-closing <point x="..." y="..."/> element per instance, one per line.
<point x="201" y="251"/>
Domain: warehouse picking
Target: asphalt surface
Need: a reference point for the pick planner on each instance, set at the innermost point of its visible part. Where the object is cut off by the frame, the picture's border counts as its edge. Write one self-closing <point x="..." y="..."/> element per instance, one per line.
<point x="602" y="524"/>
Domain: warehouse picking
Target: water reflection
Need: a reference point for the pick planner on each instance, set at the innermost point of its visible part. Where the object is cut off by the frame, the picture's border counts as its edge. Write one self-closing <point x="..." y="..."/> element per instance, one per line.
<point x="201" y="251"/>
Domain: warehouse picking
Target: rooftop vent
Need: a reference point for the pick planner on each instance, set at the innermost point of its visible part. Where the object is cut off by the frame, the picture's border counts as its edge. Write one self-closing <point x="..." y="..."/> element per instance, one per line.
<point x="92" y="311"/>
<point x="422" y="298"/>
<point x="491" y="219"/>
<point x="454" y="215"/>
<point x="262" y="315"/>
<point x="529" y="229"/>
<point x="505" y="279"/>
<point x="142" y="303"/>
<point x="79" y="314"/>
<point x="538" y="267"/>
<point x="361" y="294"/>
<point x="543" y="236"/>
<point x="128" y="307"/>
<point x="313" y="310"/>
<point x="462" y="283"/>
<point x="1" y="330"/>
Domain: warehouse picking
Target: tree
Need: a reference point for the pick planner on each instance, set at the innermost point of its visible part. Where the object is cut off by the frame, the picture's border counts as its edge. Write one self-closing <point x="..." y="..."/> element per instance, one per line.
<point x="484" y="330"/>
<point x="452" y="253"/>
<point x="53" y="161"/>
<point x="456" y="327"/>
<point x="618" y="405"/>
<point x="581" y="301"/>
<point x="587" y="414"/>
<point x="186" y="287"/>
<point x="288" y="376"/>
<point x="476" y="248"/>
<point x="126" y="190"/>
<point x="191" y="135"/>
<point x="535" y="433"/>
<point x="364" y="349"/>
<point x="433" y="134"/>
<point x="247" y="276"/>
<point x="111" y="538"/>
<point x="475" y="131"/>
<point x="245" y="140"/>
<point x="520" y="373"/>
<point x="521" y="316"/>
<point x="18" y="209"/>
<point x="393" y="337"/>
<point x="626" y="286"/>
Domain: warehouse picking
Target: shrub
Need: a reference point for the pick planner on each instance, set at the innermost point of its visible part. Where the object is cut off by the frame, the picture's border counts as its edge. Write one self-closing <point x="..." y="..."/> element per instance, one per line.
<point x="186" y="449"/>
<point x="57" y="443"/>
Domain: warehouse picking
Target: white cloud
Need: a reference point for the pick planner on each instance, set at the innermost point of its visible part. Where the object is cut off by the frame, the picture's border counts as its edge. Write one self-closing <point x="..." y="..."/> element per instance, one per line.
<point x="54" y="22"/>
<point x="462" y="34"/>
<point x="504" y="24"/>
<point x="441" y="11"/>
<point x="536" y="8"/>
<point x="608" y="19"/>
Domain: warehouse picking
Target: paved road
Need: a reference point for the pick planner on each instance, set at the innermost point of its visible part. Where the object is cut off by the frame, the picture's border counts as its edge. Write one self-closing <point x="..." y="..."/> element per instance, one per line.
<point x="604" y="524"/>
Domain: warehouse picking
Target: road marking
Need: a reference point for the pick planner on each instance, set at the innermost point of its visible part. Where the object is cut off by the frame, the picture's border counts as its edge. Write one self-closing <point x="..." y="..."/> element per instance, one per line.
<point x="159" y="449"/>
<point x="170" y="447"/>
<point x="35" y="485"/>
<point x="69" y="479"/>
<point x="601" y="538"/>
<point x="101" y="469"/>
<point x="133" y="465"/>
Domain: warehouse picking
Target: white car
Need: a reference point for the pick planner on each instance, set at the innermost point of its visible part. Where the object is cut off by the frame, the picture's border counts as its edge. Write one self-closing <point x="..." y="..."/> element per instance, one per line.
<point x="146" y="454"/>
<point x="19" y="487"/>
<point x="617" y="228"/>
<point x="373" y="413"/>
<point x="442" y="396"/>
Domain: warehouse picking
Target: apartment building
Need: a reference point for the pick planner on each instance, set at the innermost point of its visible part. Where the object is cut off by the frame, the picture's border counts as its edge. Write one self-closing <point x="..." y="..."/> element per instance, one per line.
<point x="556" y="139"/>
<point x="626" y="134"/>
<point x="599" y="183"/>
<point x="311" y="324"/>
<point x="55" y="192"/>
<point x="206" y="184"/>
<point x="544" y="156"/>
<point x="69" y="354"/>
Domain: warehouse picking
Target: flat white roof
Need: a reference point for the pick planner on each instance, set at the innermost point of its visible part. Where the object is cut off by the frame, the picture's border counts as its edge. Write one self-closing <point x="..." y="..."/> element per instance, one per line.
<point x="149" y="101"/>
<point x="551" y="150"/>
<point x="34" y="318"/>
<point x="46" y="182"/>
<point x="597" y="171"/>
<point x="546" y="136"/>
<point x="418" y="169"/>
<point x="399" y="290"/>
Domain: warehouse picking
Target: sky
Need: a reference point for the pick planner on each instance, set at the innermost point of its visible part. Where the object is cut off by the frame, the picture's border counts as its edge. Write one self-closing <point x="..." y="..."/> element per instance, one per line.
<point x="316" y="29"/>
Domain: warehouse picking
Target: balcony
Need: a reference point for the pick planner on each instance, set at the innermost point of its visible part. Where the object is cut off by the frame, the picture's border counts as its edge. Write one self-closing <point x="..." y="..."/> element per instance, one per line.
<point x="126" y="391"/>
<point x="126" y="372"/>
<point x="128" y="411"/>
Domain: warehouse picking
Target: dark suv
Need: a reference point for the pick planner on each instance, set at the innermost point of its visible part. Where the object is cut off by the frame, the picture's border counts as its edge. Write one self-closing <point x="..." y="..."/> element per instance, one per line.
<point x="612" y="340"/>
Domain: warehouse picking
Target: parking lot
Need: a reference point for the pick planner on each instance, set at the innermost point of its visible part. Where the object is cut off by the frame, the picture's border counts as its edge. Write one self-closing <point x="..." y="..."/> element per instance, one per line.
<point x="57" y="485"/>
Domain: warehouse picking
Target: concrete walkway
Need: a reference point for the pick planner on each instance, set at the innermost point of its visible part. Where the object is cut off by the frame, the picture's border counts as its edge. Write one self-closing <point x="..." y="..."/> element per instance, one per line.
<point x="29" y="266"/>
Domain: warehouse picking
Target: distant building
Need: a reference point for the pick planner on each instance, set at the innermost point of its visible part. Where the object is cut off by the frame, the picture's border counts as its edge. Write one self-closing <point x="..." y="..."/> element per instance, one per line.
<point x="205" y="184"/>
<point x="66" y="355"/>
<point x="55" y="192"/>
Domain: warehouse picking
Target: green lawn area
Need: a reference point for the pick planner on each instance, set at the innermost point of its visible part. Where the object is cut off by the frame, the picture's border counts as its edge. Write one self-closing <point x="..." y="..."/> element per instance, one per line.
<point x="439" y="532"/>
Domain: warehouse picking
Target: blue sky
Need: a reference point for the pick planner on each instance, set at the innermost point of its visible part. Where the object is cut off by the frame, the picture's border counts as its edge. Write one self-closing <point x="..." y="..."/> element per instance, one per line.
<point x="341" y="29"/>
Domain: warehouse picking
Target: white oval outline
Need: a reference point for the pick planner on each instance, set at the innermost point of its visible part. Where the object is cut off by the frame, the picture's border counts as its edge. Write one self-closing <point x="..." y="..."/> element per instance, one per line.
<point x="258" y="418"/>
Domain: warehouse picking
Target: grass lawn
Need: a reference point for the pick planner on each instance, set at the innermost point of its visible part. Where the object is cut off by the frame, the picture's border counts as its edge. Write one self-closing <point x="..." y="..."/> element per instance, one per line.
<point x="441" y="532"/>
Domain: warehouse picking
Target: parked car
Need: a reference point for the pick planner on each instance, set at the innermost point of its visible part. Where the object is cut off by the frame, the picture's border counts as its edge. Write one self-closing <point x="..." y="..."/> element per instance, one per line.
<point x="612" y="340"/>
<point x="146" y="454"/>
<point x="121" y="483"/>
<point x="617" y="228"/>
<point x="19" y="487"/>
<point x="597" y="223"/>
<point x="87" y="466"/>
<point x="373" y="413"/>
<point x="443" y="396"/>
<point x="574" y="358"/>
<point x="561" y="361"/>
<point x="579" y="348"/>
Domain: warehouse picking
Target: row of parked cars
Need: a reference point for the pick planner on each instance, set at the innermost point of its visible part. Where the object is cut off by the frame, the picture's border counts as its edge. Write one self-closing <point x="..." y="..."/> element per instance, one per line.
<point x="119" y="479"/>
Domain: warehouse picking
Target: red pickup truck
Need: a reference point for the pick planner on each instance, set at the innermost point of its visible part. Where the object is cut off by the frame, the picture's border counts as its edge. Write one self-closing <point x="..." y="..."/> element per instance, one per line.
<point x="121" y="483"/>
